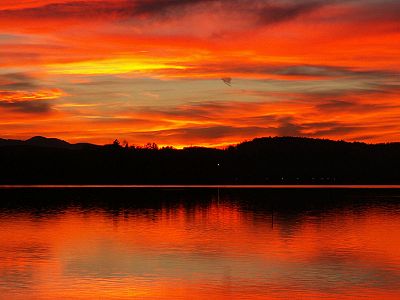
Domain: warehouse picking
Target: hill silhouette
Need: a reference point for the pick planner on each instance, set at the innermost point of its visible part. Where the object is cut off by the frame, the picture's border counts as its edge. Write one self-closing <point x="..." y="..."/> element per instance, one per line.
<point x="40" y="141"/>
<point x="271" y="160"/>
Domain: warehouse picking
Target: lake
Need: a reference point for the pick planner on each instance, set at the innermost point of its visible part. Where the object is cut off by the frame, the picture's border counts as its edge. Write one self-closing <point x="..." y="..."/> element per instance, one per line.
<point x="177" y="243"/>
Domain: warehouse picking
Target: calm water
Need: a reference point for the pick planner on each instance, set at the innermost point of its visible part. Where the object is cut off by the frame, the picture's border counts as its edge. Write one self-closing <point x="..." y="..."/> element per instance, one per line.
<point x="198" y="243"/>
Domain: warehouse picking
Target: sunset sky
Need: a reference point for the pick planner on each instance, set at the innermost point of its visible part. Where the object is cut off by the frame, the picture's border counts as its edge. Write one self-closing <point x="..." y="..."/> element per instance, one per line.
<point x="151" y="70"/>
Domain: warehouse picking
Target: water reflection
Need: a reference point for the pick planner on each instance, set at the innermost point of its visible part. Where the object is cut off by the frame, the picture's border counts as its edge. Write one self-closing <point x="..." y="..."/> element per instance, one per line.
<point x="193" y="244"/>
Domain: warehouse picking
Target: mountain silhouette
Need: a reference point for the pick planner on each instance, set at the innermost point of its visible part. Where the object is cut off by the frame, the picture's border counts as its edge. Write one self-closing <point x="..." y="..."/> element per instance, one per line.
<point x="8" y="142"/>
<point x="48" y="142"/>
<point x="271" y="160"/>
<point x="40" y="141"/>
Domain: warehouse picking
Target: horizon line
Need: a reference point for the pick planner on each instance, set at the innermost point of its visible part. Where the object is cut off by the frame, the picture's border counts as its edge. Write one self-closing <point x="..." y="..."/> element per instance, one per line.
<point x="202" y="186"/>
<point x="216" y="146"/>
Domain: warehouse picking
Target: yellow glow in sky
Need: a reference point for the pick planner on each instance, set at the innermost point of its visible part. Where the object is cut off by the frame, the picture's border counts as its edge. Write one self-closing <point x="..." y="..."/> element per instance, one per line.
<point x="112" y="66"/>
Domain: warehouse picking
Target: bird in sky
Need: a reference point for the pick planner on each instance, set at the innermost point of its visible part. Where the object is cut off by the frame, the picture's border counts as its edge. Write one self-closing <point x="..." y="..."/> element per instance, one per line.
<point x="227" y="81"/>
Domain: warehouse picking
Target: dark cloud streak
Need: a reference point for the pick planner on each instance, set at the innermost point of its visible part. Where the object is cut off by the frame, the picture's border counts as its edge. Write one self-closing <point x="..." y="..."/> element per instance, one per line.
<point x="30" y="107"/>
<point x="273" y="13"/>
<point x="263" y="11"/>
<point x="14" y="81"/>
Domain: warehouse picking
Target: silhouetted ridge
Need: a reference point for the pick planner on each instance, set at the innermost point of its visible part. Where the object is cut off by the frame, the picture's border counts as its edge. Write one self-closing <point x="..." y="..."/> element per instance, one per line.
<point x="278" y="160"/>
<point x="6" y="142"/>
<point x="47" y="142"/>
<point x="40" y="141"/>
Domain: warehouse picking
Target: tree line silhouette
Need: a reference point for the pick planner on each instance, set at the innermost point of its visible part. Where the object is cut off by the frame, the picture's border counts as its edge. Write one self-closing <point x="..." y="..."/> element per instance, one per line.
<point x="271" y="160"/>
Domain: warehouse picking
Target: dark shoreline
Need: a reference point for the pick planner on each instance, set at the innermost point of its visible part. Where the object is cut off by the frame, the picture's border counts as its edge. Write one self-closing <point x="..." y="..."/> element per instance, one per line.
<point x="199" y="186"/>
<point x="286" y="161"/>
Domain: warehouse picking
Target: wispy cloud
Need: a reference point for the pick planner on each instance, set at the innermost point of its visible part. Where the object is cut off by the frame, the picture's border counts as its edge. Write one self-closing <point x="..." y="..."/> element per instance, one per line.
<point x="150" y="70"/>
<point x="29" y="102"/>
<point x="265" y="11"/>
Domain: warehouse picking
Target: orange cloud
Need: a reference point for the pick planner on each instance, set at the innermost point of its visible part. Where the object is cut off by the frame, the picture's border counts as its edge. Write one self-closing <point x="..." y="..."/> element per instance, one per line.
<point x="151" y="70"/>
<point x="28" y="102"/>
<point x="23" y="96"/>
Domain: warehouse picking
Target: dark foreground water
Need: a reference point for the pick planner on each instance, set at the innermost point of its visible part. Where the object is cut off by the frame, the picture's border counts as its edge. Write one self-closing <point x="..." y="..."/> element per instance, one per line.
<point x="199" y="243"/>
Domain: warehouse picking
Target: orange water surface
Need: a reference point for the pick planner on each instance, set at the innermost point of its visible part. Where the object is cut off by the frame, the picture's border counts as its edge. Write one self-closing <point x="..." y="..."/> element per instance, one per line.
<point x="215" y="245"/>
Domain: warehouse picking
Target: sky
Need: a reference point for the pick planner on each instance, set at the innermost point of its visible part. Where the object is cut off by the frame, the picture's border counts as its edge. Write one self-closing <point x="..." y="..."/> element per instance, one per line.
<point x="200" y="72"/>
